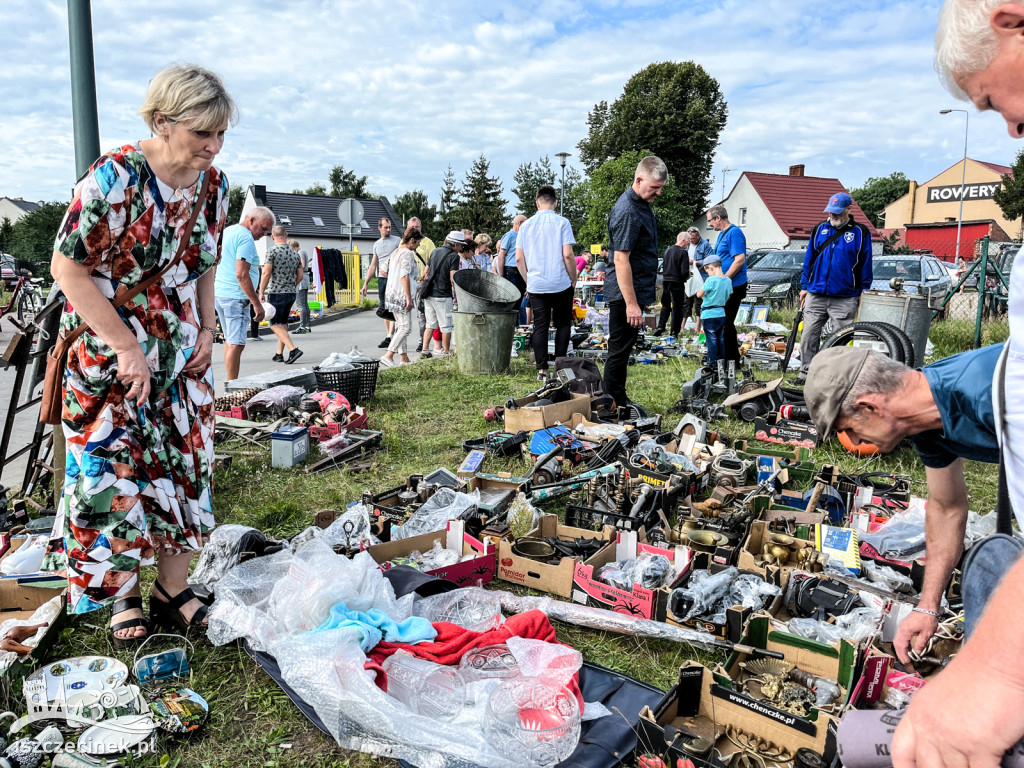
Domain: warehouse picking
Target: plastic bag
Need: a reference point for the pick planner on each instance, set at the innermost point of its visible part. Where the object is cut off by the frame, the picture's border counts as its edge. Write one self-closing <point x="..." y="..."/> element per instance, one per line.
<point x="888" y="577"/>
<point x="435" y="513"/>
<point x="336" y="361"/>
<point x="225" y="548"/>
<point x="902" y="537"/>
<point x="522" y="516"/>
<point x="856" y="626"/>
<point x="709" y="595"/>
<point x="476" y="611"/>
<point x="276" y="400"/>
<point x="438" y="557"/>
<point x="657" y="453"/>
<point x="332" y="446"/>
<point x="550" y="661"/>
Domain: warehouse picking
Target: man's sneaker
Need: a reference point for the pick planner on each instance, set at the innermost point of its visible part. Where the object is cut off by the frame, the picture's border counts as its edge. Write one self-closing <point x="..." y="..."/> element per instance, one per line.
<point x="294" y="355"/>
<point x="255" y="338"/>
<point x="542" y="375"/>
<point x="302" y="330"/>
<point x="385" y="344"/>
<point x="419" y="347"/>
<point x="278" y="358"/>
<point x="799" y="381"/>
<point x="425" y="355"/>
<point x="658" y="332"/>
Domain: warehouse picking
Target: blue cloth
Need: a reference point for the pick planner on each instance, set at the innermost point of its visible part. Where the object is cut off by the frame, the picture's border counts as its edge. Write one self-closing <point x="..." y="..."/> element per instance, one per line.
<point x="374" y="626"/>
<point x="843" y="269"/>
<point x="962" y="388"/>
<point x="702" y="250"/>
<point x="631" y="227"/>
<point x="717" y="291"/>
<point x="714" y="339"/>
<point x="508" y="242"/>
<point x="730" y="244"/>
<point x="237" y="244"/>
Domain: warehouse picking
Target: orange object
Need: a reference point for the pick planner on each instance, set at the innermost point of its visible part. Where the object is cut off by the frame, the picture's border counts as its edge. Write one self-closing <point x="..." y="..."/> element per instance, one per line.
<point x="862" y="450"/>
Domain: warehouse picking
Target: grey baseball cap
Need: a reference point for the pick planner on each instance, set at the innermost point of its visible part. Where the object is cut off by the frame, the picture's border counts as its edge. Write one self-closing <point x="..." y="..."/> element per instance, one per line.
<point x="832" y="375"/>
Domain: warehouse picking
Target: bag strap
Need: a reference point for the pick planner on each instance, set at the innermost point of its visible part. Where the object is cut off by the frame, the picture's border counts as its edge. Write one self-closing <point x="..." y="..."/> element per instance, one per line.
<point x="816" y="252"/>
<point x="200" y="202"/>
<point x="1004" y="510"/>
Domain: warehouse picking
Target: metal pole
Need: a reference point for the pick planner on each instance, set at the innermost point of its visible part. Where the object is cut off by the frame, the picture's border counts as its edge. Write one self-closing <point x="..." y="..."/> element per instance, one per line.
<point x="561" y="197"/>
<point x="963" y="175"/>
<point x="83" y="86"/>
<point x="981" y="291"/>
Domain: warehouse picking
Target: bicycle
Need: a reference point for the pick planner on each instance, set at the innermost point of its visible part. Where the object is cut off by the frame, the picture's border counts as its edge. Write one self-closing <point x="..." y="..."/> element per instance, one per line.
<point x="26" y="300"/>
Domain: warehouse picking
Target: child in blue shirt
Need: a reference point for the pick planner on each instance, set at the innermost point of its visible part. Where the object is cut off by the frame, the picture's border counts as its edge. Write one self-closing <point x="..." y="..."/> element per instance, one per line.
<point x="715" y="293"/>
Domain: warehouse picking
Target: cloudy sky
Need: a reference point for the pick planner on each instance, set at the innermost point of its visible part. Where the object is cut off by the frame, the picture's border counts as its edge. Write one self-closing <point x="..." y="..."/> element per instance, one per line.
<point x="397" y="90"/>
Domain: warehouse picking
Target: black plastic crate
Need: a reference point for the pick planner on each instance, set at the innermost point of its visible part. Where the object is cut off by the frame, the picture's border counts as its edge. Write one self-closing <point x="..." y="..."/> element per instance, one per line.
<point x="346" y="383"/>
<point x="578" y="516"/>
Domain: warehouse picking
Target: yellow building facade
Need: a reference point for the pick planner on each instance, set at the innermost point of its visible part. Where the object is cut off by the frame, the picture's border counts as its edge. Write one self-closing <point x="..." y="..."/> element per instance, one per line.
<point x="937" y="201"/>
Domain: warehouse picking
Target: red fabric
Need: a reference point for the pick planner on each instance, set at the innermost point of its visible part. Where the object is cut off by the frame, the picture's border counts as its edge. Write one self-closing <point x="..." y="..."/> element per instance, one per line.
<point x="453" y="641"/>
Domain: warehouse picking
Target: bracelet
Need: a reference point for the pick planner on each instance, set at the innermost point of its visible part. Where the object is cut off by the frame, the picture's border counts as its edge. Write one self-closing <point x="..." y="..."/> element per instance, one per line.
<point x="915" y="609"/>
<point x="208" y="328"/>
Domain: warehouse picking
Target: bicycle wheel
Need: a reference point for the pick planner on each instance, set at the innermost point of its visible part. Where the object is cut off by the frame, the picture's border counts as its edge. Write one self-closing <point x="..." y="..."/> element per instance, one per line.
<point x="24" y="306"/>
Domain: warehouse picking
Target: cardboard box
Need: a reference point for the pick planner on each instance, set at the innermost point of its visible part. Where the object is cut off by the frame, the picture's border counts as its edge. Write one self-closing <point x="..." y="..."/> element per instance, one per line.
<point x="19" y="598"/>
<point x="556" y="579"/>
<point x="701" y="693"/>
<point x="587" y="589"/>
<point x="531" y="418"/>
<point x="775" y="429"/>
<point x="879" y="678"/>
<point x="750" y="558"/>
<point x="480" y="568"/>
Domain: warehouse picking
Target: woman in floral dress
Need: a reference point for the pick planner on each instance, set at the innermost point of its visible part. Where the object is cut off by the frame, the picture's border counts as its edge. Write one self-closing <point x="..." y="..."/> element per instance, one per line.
<point x="138" y="406"/>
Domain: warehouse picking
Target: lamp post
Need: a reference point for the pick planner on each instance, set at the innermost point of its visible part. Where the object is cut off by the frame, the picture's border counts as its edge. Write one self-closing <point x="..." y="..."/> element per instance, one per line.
<point x="724" y="171"/>
<point x="562" y="157"/>
<point x="963" y="178"/>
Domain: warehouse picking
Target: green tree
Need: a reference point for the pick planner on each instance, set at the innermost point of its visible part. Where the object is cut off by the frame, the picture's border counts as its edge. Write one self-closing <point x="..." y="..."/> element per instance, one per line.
<point x="32" y="235"/>
<point x="236" y="199"/>
<point x="528" y="178"/>
<point x="481" y="205"/>
<point x="415" y="203"/>
<point x="878" y="192"/>
<point x="6" y="234"/>
<point x="599" y="193"/>
<point x="449" y="202"/>
<point x="347" y="184"/>
<point x="1010" y="197"/>
<point x="674" y="110"/>
<point x="317" y="189"/>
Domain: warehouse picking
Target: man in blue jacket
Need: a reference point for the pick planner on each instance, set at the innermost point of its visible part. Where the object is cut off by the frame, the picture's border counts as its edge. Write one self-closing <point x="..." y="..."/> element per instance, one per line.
<point x="837" y="268"/>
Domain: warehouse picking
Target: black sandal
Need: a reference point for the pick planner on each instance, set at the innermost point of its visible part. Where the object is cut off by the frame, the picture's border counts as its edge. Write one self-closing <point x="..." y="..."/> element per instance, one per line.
<point x="120" y="606"/>
<point x="168" y="614"/>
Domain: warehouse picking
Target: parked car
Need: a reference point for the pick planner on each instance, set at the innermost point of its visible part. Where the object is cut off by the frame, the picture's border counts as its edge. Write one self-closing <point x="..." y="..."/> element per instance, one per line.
<point x="774" y="278"/>
<point x="8" y="271"/>
<point x="920" y="274"/>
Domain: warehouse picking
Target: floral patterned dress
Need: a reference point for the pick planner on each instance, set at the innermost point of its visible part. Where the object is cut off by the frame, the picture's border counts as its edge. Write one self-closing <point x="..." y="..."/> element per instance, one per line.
<point x="138" y="477"/>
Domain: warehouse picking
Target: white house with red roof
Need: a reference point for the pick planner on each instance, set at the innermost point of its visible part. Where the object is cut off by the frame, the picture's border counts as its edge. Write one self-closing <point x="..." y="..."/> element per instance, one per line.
<point x="778" y="210"/>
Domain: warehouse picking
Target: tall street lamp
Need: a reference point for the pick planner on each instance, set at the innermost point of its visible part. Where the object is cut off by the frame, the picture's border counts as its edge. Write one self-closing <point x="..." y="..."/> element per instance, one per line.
<point x="963" y="177"/>
<point x="562" y="157"/>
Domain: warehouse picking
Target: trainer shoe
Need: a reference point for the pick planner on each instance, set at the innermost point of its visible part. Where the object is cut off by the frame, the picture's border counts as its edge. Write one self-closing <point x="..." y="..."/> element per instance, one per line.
<point x="385" y="344"/>
<point x="294" y="355"/>
<point x="542" y="375"/>
<point x="278" y="358"/>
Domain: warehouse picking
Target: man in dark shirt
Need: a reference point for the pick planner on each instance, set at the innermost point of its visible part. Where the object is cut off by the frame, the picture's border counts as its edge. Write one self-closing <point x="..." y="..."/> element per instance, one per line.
<point x="437" y="292"/>
<point x="630" y="278"/>
<point x="946" y="410"/>
<point x="675" y="271"/>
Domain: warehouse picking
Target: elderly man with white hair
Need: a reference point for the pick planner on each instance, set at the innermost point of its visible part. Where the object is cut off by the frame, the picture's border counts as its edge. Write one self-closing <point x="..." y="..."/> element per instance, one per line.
<point x="974" y="710"/>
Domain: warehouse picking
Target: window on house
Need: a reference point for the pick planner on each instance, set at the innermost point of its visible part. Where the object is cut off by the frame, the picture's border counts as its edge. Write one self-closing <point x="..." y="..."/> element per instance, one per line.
<point x="318" y="221"/>
<point x="285" y="219"/>
<point x="743" y="217"/>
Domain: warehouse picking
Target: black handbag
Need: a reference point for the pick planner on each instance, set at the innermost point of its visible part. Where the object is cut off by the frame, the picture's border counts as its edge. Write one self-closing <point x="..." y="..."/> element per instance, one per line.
<point x="387" y="314"/>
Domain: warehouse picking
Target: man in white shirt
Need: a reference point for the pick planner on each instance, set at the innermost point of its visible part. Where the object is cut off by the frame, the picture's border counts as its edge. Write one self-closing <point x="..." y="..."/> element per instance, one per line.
<point x="547" y="264"/>
<point x="382" y="250"/>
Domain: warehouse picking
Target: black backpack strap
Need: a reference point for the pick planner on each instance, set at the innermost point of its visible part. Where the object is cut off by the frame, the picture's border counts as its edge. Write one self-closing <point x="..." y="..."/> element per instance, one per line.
<point x="1004" y="510"/>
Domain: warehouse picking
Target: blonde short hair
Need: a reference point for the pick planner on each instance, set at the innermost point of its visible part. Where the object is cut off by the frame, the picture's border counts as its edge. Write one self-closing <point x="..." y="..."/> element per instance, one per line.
<point x="483" y="239"/>
<point x="188" y="93"/>
<point x="294" y="244"/>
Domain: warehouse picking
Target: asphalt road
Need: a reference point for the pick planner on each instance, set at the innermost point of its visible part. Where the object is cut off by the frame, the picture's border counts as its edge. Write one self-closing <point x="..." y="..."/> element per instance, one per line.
<point x="360" y="329"/>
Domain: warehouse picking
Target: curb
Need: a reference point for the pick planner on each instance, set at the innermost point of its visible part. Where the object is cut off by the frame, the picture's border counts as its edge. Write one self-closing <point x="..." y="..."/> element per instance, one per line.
<point x="323" y="320"/>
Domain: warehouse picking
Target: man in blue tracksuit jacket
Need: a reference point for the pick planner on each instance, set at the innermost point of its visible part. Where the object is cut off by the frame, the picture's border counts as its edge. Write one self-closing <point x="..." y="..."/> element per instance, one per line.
<point x="837" y="268"/>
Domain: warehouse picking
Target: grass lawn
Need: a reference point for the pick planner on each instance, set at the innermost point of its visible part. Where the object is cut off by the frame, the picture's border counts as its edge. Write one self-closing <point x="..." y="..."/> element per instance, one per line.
<point x="425" y="412"/>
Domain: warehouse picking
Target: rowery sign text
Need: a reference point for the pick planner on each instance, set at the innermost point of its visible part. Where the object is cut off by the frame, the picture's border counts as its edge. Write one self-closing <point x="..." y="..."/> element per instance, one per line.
<point x="971" y="192"/>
